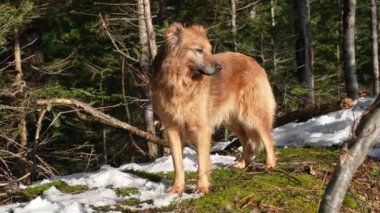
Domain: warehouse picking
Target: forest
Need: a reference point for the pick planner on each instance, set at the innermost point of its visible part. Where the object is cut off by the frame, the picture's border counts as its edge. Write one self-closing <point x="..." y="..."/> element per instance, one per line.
<point x="75" y="75"/>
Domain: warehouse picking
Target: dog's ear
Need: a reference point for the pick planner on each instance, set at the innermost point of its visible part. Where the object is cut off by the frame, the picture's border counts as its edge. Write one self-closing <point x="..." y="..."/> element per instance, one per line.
<point x="173" y="32"/>
<point x="199" y="28"/>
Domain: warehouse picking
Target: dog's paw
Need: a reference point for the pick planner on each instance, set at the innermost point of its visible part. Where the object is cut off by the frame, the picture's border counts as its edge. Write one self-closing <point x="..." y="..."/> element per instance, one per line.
<point x="175" y="189"/>
<point x="270" y="166"/>
<point x="240" y="165"/>
<point x="202" y="190"/>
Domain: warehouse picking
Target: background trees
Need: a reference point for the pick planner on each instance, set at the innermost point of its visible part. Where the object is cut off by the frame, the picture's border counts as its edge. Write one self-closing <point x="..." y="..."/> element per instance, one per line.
<point x="349" y="61"/>
<point x="304" y="50"/>
<point x="93" y="51"/>
<point x="375" y="49"/>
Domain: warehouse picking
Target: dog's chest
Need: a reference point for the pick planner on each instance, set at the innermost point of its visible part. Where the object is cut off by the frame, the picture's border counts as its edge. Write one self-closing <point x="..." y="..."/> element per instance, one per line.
<point x="183" y="106"/>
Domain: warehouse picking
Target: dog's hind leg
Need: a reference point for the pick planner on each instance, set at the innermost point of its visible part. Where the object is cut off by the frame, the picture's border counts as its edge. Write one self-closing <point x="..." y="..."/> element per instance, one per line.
<point x="262" y="136"/>
<point x="245" y="143"/>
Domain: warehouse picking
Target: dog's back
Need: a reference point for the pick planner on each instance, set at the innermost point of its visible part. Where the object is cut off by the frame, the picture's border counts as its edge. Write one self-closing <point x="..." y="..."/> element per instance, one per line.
<point x="243" y="87"/>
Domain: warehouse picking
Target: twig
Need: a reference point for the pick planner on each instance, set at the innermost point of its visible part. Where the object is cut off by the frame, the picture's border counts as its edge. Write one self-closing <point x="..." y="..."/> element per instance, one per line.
<point x="113" y="40"/>
<point x="38" y="126"/>
<point x="23" y="177"/>
<point x="89" y="159"/>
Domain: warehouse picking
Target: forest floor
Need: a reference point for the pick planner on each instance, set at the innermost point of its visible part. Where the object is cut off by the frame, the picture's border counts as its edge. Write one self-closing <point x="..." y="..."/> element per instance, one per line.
<point x="295" y="186"/>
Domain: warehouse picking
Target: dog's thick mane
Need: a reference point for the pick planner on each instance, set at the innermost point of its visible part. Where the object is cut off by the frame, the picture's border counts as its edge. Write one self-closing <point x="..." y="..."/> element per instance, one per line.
<point x="169" y="66"/>
<point x="171" y="47"/>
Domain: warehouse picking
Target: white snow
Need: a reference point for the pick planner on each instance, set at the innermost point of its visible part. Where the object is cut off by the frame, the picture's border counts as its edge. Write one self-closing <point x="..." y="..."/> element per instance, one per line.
<point x="326" y="130"/>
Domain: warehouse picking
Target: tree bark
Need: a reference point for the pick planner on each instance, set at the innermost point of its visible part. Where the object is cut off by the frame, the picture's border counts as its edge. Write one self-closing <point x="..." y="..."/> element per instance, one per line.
<point x="349" y="64"/>
<point x="23" y="133"/>
<point x="375" y="55"/>
<point x="304" y="46"/>
<point x="273" y="23"/>
<point x="367" y="132"/>
<point x="233" y="24"/>
<point x="148" y="51"/>
<point x="17" y="55"/>
<point x="150" y="29"/>
<point x="100" y="117"/>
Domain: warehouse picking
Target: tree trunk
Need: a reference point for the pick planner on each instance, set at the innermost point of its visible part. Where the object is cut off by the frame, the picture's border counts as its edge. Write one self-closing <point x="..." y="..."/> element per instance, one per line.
<point x="273" y="23"/>
<point x="150" y="30"/>
<point x="349" y="64"/>
<point x="375" y="59"/>
<point x="367" y="132"/>
<point x="148" y="49"/>
<point x="162" y="11"/>
<point x="17" y="55"/>
<point x="304" y="46"/>
<point x="23" y="133"/>
<point x="233" y="24"/>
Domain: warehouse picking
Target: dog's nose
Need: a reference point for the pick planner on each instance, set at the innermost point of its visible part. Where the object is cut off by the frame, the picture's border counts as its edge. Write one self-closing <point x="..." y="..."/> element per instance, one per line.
<point x="218" y="67"/>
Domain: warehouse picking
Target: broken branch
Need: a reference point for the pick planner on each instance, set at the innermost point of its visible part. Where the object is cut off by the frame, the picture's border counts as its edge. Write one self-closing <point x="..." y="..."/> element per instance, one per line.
<point x="101" y="117"/>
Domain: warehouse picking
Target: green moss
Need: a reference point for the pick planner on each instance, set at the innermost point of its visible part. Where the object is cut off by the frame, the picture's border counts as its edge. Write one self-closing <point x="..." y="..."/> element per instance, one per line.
<point x="126" y="191"/>
<point x="149" y="176"/>
<point x="122" y="206"/>
<point x="317" y="154"/>
<point x="32" y="192"/>
<point x="350" y="202"/>
<point x="131" y="202"/>
<point x="106" y="208"/>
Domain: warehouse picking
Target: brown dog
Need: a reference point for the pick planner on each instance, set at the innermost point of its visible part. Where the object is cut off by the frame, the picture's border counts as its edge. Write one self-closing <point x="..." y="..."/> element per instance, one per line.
<point x="195" y="91"/>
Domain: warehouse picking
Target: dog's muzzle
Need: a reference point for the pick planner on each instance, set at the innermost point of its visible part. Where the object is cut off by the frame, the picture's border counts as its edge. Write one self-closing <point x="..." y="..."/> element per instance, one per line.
<point x="209" y="70"/>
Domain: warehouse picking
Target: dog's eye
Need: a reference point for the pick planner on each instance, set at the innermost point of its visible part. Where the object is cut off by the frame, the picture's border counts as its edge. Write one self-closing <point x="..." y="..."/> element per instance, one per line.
<point x="199" y="50"/>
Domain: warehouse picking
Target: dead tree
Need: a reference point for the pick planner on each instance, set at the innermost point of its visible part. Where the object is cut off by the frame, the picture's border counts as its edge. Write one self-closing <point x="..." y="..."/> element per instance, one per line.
<point x="367" y="133"/>
<point x="273" y="23"/>
<point x="148" y="51"/>
<point x="304" y="52"/>
<point x="349" y="63"/>
<point x="19" y="84"/>
<point x="375" y="55"/>
<point x="233" y="24"/>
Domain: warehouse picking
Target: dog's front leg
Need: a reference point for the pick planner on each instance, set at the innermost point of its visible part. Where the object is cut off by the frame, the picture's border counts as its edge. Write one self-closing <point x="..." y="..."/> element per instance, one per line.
<point x="173" y="134"/>
<point x="203" y="142"/>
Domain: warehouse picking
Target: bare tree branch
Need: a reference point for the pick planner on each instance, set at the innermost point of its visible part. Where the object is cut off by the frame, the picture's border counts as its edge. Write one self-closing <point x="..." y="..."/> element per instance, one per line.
<point x="102" y="118"/>
<point x="104" y="24"/>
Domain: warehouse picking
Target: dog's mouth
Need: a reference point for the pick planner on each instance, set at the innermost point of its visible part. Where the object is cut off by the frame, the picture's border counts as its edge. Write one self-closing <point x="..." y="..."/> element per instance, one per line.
<point x="207" y="70"/>
<point x="202" y="72"/>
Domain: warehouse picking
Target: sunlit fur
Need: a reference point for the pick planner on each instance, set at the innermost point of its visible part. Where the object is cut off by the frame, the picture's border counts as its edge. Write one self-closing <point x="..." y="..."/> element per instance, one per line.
<point x="191" y="105"/>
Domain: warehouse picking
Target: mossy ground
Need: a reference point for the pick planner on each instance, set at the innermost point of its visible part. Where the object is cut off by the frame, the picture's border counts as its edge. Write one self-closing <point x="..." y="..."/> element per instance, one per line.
<point x="295" y="186"/>
<point x="32" y="192"/>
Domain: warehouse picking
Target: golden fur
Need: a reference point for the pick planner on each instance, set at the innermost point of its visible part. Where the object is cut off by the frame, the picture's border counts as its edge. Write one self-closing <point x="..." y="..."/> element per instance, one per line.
<point x="194" y="91"/>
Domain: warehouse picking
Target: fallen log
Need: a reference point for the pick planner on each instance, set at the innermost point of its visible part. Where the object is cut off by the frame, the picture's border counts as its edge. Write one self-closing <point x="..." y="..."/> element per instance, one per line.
<point x="302" y="115"/>
<point x="100" y="117"/>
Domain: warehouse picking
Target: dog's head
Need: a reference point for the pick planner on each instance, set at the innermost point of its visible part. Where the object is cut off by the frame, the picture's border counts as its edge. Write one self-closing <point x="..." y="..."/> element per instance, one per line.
<point x="191" y="45"/>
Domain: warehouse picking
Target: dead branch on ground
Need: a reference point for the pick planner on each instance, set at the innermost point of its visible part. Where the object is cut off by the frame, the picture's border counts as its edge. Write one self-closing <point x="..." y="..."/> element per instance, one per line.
<point x="311" y="111"/>
<point x="100" y="117"/>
